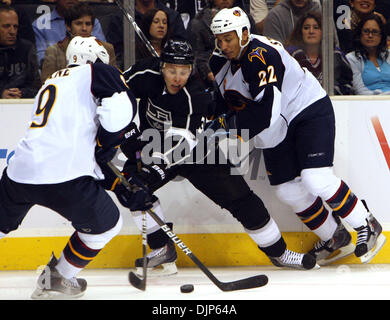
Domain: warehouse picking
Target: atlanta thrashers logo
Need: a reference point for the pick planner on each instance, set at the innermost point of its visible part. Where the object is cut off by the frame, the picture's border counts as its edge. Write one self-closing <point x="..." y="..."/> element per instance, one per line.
<point x="257" y="53"/>
<point x="237" y="13"/>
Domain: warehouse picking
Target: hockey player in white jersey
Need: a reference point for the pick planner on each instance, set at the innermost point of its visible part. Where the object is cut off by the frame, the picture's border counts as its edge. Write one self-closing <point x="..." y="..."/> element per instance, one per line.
<point x="55" y="164"/>
<point x="291" y="117"/>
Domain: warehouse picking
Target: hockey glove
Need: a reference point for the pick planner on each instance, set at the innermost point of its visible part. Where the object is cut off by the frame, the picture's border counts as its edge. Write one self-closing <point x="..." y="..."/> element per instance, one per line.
<point x="151" y="175"/>
<point x="139" y="199"/>
<point x="235" y="100"/>
<point x="220" y="127"/>
<point x="132" y="144"/>
<point x="103" y="155"/>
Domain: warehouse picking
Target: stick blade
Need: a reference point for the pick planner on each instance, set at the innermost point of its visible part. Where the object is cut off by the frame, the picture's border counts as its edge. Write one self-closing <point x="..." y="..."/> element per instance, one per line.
<point x="137" y="282"/>
<point x="248" y="283"/>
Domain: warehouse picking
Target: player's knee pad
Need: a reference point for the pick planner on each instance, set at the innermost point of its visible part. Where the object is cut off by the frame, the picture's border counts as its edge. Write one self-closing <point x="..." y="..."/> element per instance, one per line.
<point x="320" y="182"/>
<point x="98" y="241"/>
<point x="250" y="211"/>
<point x="82" y="248"/>
<point x="295" y="194"/>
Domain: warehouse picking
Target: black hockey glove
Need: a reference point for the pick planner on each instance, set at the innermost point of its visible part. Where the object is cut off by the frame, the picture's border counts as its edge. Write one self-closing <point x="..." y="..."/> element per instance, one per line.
<point x="151" y="175"/>
<point x="222" y="123"/>
<point x="103" y="155"/>
<point x="132" y="145"/>
<point x="139" y="199"/>
<point x="235" y="100"/>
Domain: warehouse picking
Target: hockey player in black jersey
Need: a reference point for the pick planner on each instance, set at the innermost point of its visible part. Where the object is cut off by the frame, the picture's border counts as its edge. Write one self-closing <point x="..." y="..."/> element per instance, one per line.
<point x="291" y="117"/>
<point x="172" y="102"/>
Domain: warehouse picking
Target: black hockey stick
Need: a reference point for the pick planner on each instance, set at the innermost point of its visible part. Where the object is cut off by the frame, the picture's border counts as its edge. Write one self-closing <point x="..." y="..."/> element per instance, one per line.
<point x="247" y="283"/>
<point x="137" y="282"/>
<point x="126" y="12"/>
<point x="140" y="283"/>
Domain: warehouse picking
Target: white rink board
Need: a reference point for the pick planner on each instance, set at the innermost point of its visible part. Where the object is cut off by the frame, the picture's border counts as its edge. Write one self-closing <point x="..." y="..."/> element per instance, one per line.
<point x="359" y="160"/>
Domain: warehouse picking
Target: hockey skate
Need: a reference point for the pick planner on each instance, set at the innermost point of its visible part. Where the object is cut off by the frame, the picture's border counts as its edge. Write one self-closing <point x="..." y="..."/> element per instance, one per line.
<point x="295" y="260"/>
<point x="160" y="262"/>
<point x="369" y="240"/>
<point x="51" y="285"/>
<point x="339" y="246"/>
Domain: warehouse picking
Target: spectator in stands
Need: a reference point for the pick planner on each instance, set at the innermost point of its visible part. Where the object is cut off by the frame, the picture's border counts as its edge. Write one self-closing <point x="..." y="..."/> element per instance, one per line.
<point x="305" y="46"/>
<point x="19" y="77"/>
<point x="143" y="6"/>
<point x="345" y="28"/>
<point x="79" y="21"/>
<point x="202" y="39"/>
<point x="50" y="28"/>
<point x="155" y="26"/>
<point x="259" y="10"/>
<point x="370" y="60"/>
<point x="187" y="8"/>
<point x="281" y="19"/>
<point x="115" y="29"/>
<point x="25" y="30"/>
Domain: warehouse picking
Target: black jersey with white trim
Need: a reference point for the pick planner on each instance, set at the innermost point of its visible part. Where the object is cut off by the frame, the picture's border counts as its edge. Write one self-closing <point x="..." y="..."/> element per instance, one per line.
<point x="275" y="84"/>
<point x="182" y="114"/>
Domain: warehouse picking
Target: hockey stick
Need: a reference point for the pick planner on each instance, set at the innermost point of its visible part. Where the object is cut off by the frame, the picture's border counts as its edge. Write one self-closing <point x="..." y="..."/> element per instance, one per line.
<point x="247" y="283"/>
<point x="139" y="32"/>
<point x="133" y="278"/>
<point x="140" y="283"/>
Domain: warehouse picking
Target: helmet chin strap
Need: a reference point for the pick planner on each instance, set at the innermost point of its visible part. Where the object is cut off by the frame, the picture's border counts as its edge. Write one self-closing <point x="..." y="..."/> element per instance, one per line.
<point x="242" y="48"/>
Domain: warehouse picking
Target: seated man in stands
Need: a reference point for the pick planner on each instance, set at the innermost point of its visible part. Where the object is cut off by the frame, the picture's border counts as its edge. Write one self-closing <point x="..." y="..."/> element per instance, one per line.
<point x="50" y="28"/>
<point x="79" y="21"/>
<point x="19" y="77"/>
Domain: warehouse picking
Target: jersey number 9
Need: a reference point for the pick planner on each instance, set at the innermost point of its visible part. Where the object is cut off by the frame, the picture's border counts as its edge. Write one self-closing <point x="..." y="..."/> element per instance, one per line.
<point x="50" y="93"/>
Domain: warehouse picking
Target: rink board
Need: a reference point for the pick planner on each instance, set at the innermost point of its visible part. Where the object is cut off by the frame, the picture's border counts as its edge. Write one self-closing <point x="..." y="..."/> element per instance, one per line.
<point x="362" y="159"/>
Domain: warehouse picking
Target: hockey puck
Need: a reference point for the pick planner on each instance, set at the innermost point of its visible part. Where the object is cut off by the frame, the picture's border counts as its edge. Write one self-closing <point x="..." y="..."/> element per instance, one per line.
<point x="187" y="288"/>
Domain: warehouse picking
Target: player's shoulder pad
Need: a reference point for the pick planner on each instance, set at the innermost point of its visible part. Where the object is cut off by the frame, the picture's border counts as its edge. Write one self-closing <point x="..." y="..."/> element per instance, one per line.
<point x="143" y="67"/>
<point x="260" y="54"/>
<point x="106" y="69"/>
<point x="106" y="80"/>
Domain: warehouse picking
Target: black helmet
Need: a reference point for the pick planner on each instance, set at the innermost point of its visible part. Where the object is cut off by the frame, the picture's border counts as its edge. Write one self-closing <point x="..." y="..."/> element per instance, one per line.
<point x="177" y="52"/>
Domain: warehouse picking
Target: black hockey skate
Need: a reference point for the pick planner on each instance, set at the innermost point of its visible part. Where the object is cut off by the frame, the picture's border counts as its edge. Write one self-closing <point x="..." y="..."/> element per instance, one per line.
<point x="51" y="285"/>
<point x="163" y="257"/>
<point x="369" y="240"/>
<point x="339" y="246"/>
<point x="295" y="260"/>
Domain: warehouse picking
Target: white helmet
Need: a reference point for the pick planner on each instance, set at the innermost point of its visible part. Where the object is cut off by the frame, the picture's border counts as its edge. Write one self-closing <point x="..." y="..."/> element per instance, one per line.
<point x="233" y="19"/>
<point x="86" y="50"/>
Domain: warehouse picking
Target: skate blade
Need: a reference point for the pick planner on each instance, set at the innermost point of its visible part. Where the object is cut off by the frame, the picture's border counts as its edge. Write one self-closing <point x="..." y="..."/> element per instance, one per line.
<point x="338" y="254"/>
<point x="380" y="241"/>
<point x="167" y="269"/>
<point x="42" y="294"/>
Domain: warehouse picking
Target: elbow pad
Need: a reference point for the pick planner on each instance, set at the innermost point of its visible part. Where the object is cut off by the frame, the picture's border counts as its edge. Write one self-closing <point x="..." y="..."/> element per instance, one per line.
<point x="115" y="112"/>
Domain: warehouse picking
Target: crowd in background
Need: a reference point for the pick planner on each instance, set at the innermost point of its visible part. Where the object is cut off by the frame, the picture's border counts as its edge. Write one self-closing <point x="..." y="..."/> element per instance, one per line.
<point x="34" y="36"/>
